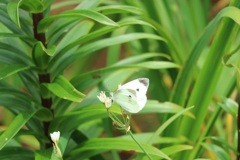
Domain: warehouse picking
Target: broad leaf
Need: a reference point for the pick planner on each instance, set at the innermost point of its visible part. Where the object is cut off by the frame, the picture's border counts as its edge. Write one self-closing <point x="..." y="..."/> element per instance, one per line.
<point x="62" y="88"/>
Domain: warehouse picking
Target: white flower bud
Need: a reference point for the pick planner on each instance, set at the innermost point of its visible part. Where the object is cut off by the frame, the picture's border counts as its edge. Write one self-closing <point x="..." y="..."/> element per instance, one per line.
<point x="108" y="102"/>
<point x="55" y="136"/>
<point x="102" y="97"/>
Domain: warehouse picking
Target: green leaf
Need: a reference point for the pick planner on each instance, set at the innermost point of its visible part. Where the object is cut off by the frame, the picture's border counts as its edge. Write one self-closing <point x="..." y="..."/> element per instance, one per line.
<point x="19" y="121"/>
<point x="54" y="156"/>
<point x="61" y="4"/>
<point x="218" y="151"/>
<point x="48" y="3"/>
<point x="111" y="9"/>
<point x="45" y="23"/>
<point x="29" y="40"/>
<point x="156" y="65"/>
<point x="8" y="70"/>
<point x="73" y="119"/>
<point x="143" y="137"/>
<point x="41" y="54"/>
<point x="209" y="75"/>
<point x="82" y="28"/>
<point x="62" y="88"/>
<point x="166" y="124"/>
<point x="33" y="6"/>
<point x="20" y="100"/>
<point x="176" y="148"/>
<point x="105" y="144"/>
<point x="13" y="54"/>
<point x="56" y="60"/>
<point x="141" y="57"/>
<point x="224" y="143"/>
<point x="183" y="82"/>
<point x="143" y="65"/>
<point x="62" y="144"/>
<point x="154" y="106"/>
<point x="104" y="30"/>
<point x="44" y="114"/>
<point x="62" y="63"/>
<point x="16" y="153"/>
<point x="43" y="154"/>
<point x="90" y="48"/>
<point x="57" y="31"/>
<point x="230" y="106"/>
<point x="13" y="12"/>
<point x="120" y="65"/>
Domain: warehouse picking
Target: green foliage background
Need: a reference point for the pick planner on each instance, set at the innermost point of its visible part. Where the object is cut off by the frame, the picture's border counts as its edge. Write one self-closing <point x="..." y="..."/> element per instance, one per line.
<point x="55" y="57"/>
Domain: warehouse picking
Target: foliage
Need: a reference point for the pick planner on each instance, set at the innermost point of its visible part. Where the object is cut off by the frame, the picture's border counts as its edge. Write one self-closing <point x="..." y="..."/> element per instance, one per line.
<point x="56" y="57"/>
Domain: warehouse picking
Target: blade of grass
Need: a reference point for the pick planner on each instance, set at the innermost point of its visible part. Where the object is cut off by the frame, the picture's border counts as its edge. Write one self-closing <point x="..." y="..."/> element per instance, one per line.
<point x="184" y="79"/>
<point x="15" y="126"/>
<point x="208" y="79"/>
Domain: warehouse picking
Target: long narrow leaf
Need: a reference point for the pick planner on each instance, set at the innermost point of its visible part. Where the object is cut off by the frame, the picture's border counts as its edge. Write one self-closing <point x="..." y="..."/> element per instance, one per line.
<point x="115" y="144"/>
<point x="94" y="46"/>
<point x="18" y="122"/>
<point x="12" y="9"/>
<point x="45" y="23"/>
<point x="166" y="124"/>
<point x="8" y="70"/>
<point x="179" y="93"/>
<point x="64" y="89"/>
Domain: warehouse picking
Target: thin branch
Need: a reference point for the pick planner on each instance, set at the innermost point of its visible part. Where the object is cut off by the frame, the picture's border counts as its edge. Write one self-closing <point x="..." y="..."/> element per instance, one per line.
<point x="144" y="151"/>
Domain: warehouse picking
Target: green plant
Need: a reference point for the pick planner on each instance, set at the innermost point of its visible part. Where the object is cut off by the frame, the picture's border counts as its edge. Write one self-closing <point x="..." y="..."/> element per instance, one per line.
<point x="53" y="66"/>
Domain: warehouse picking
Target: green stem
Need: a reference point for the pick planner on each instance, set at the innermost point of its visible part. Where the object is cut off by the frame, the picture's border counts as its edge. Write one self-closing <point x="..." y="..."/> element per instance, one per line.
<point x="149" y="157"/>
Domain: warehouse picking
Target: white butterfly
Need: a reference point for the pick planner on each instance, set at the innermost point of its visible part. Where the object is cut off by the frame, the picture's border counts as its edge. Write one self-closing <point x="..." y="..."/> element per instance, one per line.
<point x="132" y="95"/>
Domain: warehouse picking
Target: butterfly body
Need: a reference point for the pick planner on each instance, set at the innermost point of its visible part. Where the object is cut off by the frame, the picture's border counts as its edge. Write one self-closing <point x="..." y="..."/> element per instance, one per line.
<point x="132" y="95"/>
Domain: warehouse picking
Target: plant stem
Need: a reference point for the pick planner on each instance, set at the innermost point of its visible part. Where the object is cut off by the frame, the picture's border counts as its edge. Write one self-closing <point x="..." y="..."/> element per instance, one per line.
<point x="47" y="103"/>
<point x="149" y="157"/>
<point x="39" y="36"/>
<point x="43" y="78"/>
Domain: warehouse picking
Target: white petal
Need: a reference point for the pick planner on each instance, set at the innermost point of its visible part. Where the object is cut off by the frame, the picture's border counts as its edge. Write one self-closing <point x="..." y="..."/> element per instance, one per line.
<point x="102" y="97"/>
<point x="55" y="136"/>
<point x="108" y="102"/>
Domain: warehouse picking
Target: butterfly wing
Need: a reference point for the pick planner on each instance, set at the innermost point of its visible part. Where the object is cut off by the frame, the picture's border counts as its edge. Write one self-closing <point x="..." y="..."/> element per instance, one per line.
<point x="128" y="100"/>
<point x="132" y="95"/>
<point x="139" y="85"/>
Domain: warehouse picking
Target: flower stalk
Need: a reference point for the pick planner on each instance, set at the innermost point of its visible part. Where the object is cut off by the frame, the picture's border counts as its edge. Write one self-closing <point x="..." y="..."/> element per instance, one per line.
<point x="144" y="151"/>
<point x="121" y="123"/>
<point x="55" y="138"/>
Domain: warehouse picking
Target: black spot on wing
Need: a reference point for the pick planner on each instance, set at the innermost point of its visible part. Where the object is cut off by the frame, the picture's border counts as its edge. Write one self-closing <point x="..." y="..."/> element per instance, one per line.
<point x="130" y="98"/>
<point x="144" y="81"/>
